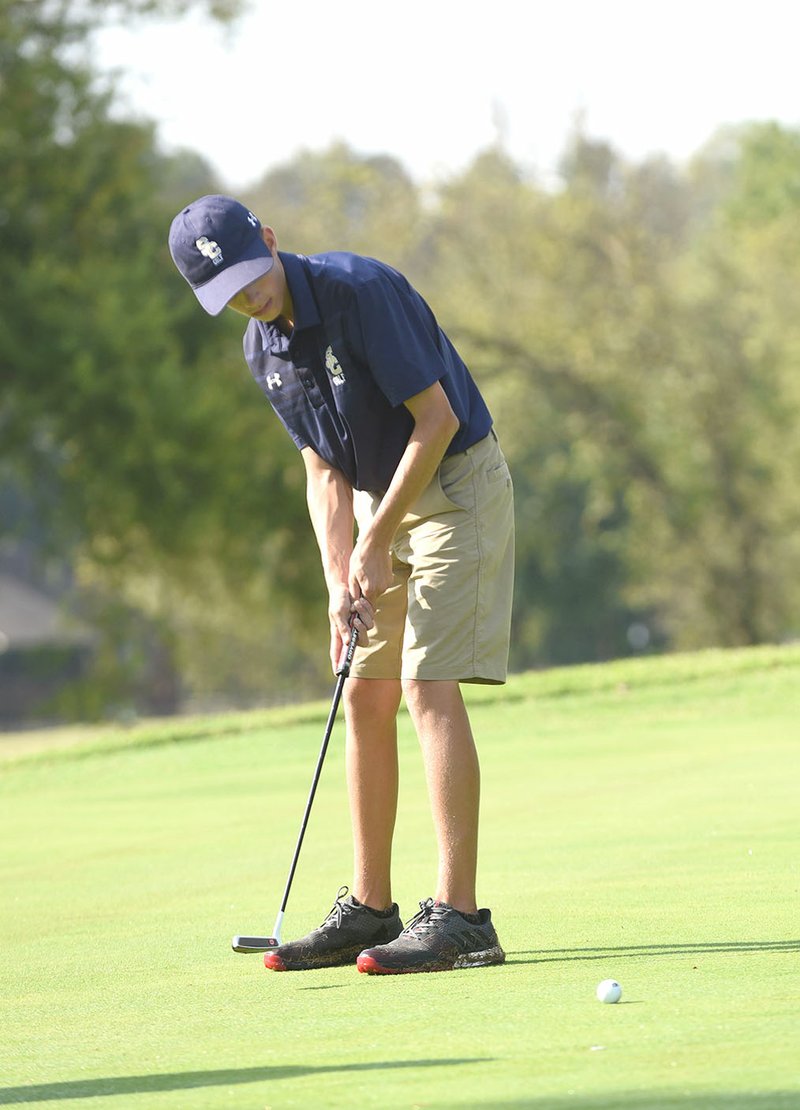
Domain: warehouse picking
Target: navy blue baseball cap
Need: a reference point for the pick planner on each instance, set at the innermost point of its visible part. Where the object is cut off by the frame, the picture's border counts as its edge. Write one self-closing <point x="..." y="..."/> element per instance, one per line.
<point x="216" y="244"/>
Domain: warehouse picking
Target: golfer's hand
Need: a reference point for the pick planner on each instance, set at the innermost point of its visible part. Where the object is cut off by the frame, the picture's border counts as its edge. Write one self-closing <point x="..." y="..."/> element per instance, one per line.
<point x="370" y="570"/>
<point x="343" y="611"/>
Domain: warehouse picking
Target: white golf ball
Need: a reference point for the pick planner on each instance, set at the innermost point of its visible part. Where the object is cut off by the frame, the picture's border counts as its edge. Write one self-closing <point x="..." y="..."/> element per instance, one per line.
<point x="609" y="991"/>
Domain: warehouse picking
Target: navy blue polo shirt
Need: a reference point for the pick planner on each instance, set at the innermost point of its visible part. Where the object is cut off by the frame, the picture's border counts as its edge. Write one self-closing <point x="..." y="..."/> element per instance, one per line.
<point x="364" y="341"/>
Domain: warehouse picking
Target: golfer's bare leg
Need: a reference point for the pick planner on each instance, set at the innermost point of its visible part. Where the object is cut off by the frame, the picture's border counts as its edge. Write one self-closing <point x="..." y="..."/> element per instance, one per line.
<point x="453" y="774"/>
<point x="371" y="706"/>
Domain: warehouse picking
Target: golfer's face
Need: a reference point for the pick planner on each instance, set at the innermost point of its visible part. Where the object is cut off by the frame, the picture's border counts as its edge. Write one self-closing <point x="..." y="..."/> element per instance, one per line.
<point x="262" y="299"/>
<point x="266" y="297"/>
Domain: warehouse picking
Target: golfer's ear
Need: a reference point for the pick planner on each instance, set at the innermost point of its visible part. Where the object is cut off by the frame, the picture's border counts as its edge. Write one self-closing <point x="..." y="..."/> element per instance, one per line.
<point x="270" y="238"/>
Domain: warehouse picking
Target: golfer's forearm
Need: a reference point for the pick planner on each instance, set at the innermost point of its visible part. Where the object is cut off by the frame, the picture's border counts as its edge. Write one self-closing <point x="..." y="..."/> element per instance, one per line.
<point x="435" y="425"/>
<point x="330" y="507"/>
<point x="417" y="467"/>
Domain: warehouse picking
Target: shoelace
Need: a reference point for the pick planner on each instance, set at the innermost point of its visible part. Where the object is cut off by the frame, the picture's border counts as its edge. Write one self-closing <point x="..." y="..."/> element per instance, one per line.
<point x="425" y="920"/>
<point x="337" y="909"/>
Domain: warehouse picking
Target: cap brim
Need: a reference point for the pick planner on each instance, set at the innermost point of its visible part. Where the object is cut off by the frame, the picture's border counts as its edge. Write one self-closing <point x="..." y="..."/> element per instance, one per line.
<point x="215" y="294"/>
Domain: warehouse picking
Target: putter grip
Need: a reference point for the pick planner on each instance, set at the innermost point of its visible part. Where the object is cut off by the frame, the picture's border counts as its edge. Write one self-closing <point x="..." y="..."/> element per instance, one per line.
<point x="348" y="652"/>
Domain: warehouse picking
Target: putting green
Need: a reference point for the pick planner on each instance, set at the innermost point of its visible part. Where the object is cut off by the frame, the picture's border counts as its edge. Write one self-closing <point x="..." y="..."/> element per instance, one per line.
<point x="640" y="821"/>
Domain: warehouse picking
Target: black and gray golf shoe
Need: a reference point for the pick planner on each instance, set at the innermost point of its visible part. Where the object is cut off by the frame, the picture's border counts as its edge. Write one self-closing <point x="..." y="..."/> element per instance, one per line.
<point x="345" y="932"/>
<point x="439" y="938"/>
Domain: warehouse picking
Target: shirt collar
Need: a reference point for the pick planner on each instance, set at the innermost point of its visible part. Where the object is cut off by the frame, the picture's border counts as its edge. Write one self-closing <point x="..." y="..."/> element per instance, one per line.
<point x="306" y="313"/>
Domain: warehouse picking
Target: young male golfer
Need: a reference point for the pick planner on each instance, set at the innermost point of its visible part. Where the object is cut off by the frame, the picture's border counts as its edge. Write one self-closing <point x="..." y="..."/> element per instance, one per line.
<point x="397" y="441"/>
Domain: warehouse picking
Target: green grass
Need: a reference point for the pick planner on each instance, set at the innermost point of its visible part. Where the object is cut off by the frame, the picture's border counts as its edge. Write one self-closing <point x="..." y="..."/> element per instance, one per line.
<point x="640" y="821"/>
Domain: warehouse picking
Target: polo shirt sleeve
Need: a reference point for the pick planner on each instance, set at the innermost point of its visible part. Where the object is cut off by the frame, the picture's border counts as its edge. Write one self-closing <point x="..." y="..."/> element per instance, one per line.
<point x="400" y="337"/>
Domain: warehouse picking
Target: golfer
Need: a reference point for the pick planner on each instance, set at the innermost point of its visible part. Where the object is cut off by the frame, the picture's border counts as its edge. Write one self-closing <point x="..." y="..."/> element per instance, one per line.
<point x="411" y="503"/>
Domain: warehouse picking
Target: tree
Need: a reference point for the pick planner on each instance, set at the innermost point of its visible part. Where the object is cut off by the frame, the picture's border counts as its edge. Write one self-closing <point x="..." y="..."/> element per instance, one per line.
<point x="339" y="200"/>
<point x="635" y="331"/>
<point x="643" y="378"/>
<point x="537" y="294"/>
<point x="128" y="418"/>
<point x="734" y="399"/>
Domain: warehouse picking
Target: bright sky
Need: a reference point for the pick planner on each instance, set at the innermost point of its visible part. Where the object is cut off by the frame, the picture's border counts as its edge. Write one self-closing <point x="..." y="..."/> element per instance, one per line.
<point x="433" y="82"/>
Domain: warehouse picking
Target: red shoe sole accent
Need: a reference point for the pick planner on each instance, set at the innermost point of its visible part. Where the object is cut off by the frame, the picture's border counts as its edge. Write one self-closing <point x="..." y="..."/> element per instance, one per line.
<point x="273" y="962"/>
<point x="371" y="966"/>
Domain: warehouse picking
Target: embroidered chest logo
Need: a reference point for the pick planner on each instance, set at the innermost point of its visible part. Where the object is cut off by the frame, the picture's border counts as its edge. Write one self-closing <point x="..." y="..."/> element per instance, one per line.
<point x="333" y="367"/>
<point x="209" y="249"/>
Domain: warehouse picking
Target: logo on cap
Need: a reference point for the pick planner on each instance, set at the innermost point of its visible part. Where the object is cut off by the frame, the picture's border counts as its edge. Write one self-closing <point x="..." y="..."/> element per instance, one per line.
<point x="209" y="249"/>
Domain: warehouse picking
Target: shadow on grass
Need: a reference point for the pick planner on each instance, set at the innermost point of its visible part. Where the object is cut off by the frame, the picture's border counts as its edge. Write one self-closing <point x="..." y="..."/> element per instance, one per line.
<point x="564" y="955"/>
<point x="186" y="1080"/>
<point x="324" y="987"/>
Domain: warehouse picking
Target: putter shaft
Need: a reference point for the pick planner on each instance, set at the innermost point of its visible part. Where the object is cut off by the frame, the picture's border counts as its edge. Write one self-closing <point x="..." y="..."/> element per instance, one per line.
<point x="263" y="944"/>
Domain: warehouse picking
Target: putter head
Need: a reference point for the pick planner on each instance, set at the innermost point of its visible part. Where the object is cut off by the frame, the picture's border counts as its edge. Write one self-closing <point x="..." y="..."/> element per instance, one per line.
<point x="254" y="944"/>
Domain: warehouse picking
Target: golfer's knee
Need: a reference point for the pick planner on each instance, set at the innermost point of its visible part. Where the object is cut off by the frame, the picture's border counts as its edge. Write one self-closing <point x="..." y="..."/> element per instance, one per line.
<point x="413" y="692"/>
<point x="378" y="699"/>
<point x="423" y="696"/>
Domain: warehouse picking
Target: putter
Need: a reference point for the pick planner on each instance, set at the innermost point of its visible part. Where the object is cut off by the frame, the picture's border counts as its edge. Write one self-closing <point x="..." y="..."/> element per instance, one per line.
<point x="263" y="944"/>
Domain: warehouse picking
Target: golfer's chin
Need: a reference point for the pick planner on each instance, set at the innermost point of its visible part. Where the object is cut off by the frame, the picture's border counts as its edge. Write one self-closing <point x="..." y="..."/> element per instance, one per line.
<point x="267" y="313"/>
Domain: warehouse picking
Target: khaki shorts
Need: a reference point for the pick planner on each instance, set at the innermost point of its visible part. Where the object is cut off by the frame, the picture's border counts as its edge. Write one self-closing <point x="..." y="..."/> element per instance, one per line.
<point x="447" y="614"/>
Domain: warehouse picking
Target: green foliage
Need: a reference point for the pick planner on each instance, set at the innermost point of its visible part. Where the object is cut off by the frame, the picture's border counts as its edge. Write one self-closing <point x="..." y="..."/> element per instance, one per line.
<point x="128" y="418"/>
<point x="730" y="397"/>
<point x="635" y="330"/>
<point x="336" y="199"/>
<point x="639" y="356"/>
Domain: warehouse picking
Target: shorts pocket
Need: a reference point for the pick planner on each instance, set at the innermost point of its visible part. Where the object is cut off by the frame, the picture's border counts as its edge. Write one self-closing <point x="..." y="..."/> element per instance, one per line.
<point x="456" y="479"/>
<point x="499" y="473"/>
